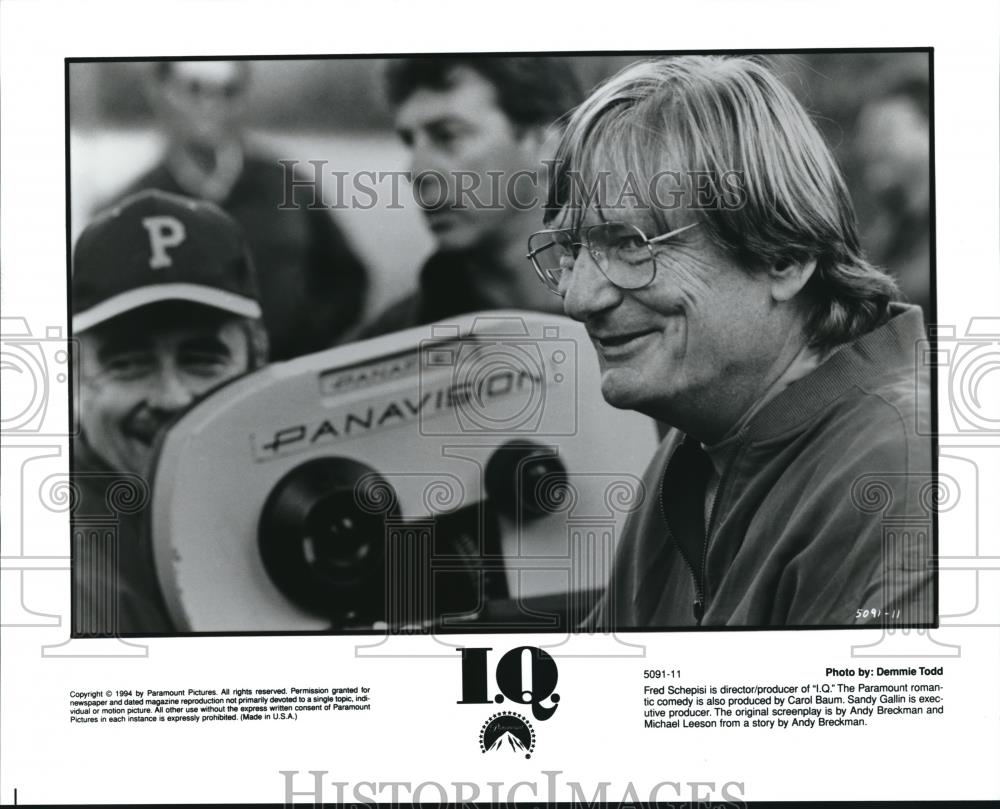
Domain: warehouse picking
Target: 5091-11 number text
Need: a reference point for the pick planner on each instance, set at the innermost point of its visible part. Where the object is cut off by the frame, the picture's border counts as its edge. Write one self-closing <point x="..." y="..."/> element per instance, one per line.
<point x="660" y="674"/>
<point x="877" y="613"/>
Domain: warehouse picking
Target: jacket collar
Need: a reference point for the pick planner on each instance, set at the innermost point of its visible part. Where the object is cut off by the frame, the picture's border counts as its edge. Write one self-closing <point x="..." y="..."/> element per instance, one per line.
<point x="890" y="347"/>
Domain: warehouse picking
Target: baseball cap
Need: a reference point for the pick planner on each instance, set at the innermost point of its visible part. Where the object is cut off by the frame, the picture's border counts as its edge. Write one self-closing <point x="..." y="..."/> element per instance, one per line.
<point x="154" y="246"/>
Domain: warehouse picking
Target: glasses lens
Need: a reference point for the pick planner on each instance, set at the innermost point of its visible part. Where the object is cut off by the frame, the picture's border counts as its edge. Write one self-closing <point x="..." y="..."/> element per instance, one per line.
<point x="623" y="253"/>
<point x="553" y="254"/>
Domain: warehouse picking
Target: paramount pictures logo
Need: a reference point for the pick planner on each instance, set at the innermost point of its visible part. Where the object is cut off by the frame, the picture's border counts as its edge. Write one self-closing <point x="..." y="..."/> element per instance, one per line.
<point x="507" y="730"/>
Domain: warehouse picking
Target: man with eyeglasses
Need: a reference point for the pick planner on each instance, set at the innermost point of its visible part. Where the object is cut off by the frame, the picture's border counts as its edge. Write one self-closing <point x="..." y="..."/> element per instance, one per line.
<point x="701" y="230"/>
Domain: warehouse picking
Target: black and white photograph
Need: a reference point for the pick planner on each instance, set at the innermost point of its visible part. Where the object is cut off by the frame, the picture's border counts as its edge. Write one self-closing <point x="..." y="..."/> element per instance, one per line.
<point x="502" y="342"/>
<point x="427" y="403"/>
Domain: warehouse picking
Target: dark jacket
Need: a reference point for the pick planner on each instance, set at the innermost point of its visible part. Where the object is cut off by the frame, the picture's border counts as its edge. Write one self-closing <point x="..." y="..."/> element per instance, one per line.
<point x="444" y="291"/>
<point x="823" y="510"/>
<point x="115" y="588"/>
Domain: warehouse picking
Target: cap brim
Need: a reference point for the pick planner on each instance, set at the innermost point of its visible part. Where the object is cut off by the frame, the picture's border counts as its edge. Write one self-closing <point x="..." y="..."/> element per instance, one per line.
<point x="155" y="293"/>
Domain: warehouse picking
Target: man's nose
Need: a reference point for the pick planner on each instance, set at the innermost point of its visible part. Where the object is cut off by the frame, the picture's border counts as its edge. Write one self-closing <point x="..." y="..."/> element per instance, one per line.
<point x="588" y="291"/>
<point x="170" y="392"/>
<point x="430" y="182"/>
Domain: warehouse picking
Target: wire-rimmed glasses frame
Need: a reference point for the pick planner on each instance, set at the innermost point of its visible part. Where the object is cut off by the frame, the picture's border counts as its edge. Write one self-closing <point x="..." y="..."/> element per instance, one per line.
<point x="624" y="254"/>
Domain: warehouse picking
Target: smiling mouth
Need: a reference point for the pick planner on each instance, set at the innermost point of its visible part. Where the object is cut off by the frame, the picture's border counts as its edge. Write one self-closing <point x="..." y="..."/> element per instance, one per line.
<point x="143" y="430"/>
<point x="143" y="437"/>
<point x="612" y="341"/>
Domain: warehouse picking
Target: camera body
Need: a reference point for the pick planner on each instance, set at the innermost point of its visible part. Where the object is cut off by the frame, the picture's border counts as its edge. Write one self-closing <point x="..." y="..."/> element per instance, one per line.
<point x="407" y="480"/>
<point x="34" y="367"/>
<point x="501" y="380"/>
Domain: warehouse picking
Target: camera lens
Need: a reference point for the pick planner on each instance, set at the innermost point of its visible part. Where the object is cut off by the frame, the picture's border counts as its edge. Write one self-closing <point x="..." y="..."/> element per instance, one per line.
<point x="521" y="478"/>
<point x="337" y="537"/>
<point x="322" y="540"/>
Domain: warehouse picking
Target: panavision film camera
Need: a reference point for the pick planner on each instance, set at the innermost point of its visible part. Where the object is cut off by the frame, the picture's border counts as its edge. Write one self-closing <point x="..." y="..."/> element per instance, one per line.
<point x="467" y="472"/>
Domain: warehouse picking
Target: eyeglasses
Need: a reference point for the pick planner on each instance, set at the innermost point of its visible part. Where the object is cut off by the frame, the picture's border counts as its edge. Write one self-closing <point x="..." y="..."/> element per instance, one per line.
<point x="621" y="251"/>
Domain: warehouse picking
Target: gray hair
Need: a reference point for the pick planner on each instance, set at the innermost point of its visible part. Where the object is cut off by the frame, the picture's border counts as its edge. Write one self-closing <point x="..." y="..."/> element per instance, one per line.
<point x="769" y="191"/>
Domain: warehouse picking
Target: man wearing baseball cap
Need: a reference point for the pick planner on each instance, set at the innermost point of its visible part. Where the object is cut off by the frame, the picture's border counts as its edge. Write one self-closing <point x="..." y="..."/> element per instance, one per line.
<point x="165" y="309"/>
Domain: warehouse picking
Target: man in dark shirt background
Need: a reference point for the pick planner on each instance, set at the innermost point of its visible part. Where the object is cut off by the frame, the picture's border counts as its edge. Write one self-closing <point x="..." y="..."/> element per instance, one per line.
<point x="478" y="130"/>
<point x="312" y="285"/>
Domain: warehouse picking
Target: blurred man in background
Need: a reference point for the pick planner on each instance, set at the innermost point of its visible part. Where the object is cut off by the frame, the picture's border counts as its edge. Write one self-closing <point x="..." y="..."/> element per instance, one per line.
<point x="893" y="145"/>
<point x="478" y="130"/>
<point x="165" y="309"/>
<point x="312" y="285"/>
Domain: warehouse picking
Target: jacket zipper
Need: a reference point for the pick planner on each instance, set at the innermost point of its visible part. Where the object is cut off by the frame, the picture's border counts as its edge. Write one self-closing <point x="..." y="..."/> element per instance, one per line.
<point x="698" y="607"/>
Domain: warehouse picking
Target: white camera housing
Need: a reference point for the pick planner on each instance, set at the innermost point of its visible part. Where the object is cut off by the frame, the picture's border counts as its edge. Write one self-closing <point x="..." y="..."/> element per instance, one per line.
<point x="427" y="410"/>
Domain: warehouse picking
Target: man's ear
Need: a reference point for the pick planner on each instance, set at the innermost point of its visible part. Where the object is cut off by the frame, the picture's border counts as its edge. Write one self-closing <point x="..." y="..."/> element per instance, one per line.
<point x="787" y="280"/>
